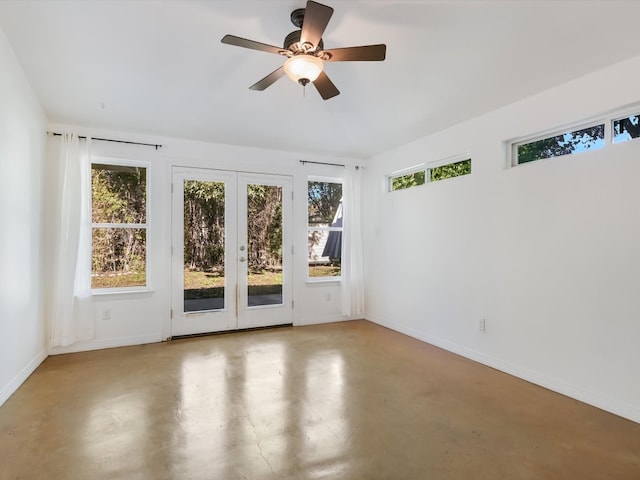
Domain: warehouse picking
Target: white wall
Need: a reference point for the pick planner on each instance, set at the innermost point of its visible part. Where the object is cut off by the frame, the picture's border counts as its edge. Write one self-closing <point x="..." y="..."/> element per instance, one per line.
<point x="145" y="317"/>
<point x="547" y="252"/>
<point x="22" y="127"/>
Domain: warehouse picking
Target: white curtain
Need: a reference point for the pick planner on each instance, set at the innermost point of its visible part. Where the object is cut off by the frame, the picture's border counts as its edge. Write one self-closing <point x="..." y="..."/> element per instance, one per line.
<point x="352" y="257"/>
<point x="72" y="318"/>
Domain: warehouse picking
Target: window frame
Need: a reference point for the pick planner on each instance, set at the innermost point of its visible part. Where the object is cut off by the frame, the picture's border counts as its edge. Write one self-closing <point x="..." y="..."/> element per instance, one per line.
<point x="622" y="115"/>
<point x="140" y="226"/>
<point x="339" y="180"/>
<point x="607" y="118"/>
<point x="403" y="173"/>
<point x="427" y="168"/>
<point x="461" y="157"/>
<point x="555" y="132"/>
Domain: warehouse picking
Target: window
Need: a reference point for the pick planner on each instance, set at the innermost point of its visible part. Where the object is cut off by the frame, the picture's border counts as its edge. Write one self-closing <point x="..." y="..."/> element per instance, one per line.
<point x="626" y="128"/>
<point x="408" y="180"/>
<point x="324" y="229"/>
<point x="609" y="129"/>
<point x="568" y="143"/>
<point x="415" y="176"/>
<point x="119" y="225"/>
<point x="450" y="170"/>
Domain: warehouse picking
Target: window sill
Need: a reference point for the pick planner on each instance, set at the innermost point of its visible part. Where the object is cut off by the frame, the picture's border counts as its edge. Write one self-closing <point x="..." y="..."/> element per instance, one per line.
<point x="104" y="292"/>
<point x="323" y="280"/>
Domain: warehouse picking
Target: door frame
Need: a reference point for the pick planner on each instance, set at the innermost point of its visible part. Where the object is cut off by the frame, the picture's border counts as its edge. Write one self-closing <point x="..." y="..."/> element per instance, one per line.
<point x="235" y="315"/>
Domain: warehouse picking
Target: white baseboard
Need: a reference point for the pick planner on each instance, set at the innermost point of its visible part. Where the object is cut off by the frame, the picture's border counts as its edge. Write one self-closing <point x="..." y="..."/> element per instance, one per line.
<point x="611" y="405"/>
<point x="19" y="379"/>
<point x="107" y="343"/>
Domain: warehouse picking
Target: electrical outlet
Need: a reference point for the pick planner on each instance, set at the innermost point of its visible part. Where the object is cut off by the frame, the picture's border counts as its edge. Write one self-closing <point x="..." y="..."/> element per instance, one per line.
<point x="482" y="325"/>
<point x="106" y="314"/>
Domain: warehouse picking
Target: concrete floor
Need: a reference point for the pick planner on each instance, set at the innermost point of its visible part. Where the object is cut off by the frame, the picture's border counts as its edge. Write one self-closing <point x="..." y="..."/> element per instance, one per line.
<point x="341" y="401"/>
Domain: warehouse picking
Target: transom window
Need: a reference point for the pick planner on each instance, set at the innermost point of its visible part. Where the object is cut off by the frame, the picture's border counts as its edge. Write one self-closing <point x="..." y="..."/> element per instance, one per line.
<point x="408" y="180"/>
<point x="417" y="176"/>
<point x="450" y="170"/>
<point x="567" y="143"/>
<point x="626" y="128"/>
<point x="570" y="141"/>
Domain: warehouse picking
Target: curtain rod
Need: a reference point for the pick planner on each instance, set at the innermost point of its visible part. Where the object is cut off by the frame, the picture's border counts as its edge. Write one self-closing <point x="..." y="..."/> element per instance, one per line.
<point x="156" y="146"/>
<point x="322" y="163"/>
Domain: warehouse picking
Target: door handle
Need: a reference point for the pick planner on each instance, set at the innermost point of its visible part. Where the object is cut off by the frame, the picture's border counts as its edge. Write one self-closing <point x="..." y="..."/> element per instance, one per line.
<point x="243" y="259"/>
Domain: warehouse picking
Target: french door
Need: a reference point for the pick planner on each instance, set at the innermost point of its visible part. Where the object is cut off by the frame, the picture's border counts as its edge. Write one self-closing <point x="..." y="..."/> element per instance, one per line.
<point x="231" y="251"/>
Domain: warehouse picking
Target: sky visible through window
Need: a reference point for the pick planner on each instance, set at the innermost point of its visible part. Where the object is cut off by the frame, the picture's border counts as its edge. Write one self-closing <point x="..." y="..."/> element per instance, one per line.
<point x="590" y="138"/>
<point x="626" y="128"/>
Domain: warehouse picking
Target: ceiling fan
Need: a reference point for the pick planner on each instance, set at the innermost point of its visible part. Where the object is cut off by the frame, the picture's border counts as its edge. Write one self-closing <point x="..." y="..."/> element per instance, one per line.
<point x="305" y="51"/>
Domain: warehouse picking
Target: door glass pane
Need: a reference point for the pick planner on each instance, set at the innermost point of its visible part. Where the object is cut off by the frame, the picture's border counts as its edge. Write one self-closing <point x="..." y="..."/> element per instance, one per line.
<point x="204" y="245"/>
<point x="264" y="249"/>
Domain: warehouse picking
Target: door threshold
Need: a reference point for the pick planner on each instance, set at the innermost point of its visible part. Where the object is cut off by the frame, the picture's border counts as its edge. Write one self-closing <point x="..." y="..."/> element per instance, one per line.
<point x="210" y="334"/>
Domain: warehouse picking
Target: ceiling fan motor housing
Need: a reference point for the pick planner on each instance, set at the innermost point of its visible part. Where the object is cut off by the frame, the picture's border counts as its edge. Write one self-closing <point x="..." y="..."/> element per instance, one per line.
<point x="292" y="43"/>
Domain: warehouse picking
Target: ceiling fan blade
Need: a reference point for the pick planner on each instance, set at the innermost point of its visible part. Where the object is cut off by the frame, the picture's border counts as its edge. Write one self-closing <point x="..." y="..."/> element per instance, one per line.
<point x="325" y="86"/>
<point x="243" y="42"/>
<point x="316" y="18"/>
<point x="268" y="80"/>
<point x="367" y="53"/>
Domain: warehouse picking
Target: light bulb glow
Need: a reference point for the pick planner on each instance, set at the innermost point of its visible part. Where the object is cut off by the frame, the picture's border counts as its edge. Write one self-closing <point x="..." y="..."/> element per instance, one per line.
<point x="303" y="67"/>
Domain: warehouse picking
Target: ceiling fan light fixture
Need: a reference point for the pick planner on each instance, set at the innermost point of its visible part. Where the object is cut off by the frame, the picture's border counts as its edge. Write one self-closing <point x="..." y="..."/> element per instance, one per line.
<point x="303" y="68"/>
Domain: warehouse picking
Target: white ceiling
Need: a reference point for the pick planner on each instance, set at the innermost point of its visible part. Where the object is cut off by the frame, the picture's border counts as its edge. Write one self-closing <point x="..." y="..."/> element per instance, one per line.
<point x="158" y="67"/>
